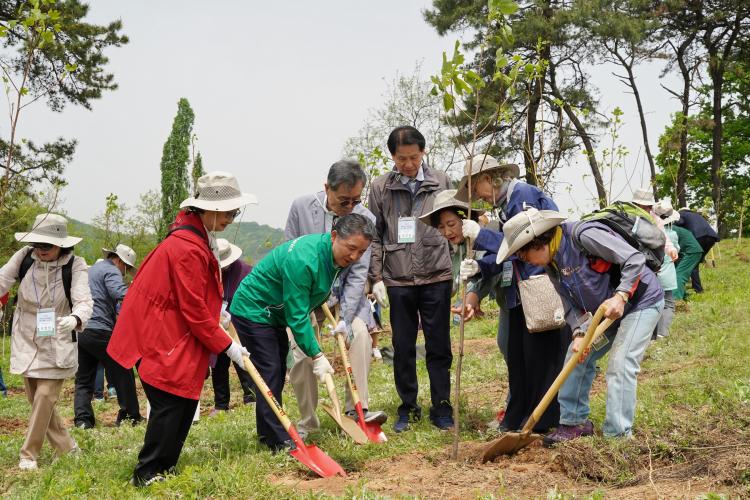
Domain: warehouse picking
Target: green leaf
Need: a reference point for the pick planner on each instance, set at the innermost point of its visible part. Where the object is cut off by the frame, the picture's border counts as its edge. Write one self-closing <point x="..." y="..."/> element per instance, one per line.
<point x="448" y="101"/>
<point x="71" y="67"/>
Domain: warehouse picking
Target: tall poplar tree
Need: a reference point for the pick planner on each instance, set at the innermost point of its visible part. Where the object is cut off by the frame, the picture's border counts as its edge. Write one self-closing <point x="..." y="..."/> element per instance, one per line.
<point x="175" y="157"/>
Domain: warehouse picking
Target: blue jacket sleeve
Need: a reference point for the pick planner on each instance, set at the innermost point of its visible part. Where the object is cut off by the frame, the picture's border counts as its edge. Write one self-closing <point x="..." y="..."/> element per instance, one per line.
<point x="488" y="241"/>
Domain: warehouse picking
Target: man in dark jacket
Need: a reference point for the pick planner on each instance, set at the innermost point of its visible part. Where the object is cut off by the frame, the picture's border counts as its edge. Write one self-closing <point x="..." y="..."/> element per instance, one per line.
<point x="706" y="236"/>
<point x="411" y="268"/>
<point x="108" y="290"/>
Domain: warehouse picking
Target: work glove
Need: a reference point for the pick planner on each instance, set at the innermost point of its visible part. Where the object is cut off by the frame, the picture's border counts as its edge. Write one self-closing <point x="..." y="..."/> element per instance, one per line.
<point x="381" y="295"/>
<point x="235" y="353"/>
<point x="345" y="330"/>
<point x="66" y="324"/>
<point x="321" y="367"/>
<point x="225" y="319"/>
<point x="468" y="268"/>
<point x="470" y="229"/>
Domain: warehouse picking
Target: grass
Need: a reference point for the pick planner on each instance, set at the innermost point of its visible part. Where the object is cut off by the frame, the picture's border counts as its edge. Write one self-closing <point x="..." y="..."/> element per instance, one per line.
<point x="692" y="422"/>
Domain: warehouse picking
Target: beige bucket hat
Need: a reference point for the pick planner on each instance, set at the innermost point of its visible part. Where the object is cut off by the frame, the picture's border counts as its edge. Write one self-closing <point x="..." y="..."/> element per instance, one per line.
<point x="663" y="208"/>
<point x="644" y="196"/>
<point x="51" y="229"/>
<point x="445" y="199"/>
<point x="524" y="227"/>
<point x="126" y="254"/>
<point x="219" y="192"/>
<point x="483" y="164"/>
<point x="228" y="252"/>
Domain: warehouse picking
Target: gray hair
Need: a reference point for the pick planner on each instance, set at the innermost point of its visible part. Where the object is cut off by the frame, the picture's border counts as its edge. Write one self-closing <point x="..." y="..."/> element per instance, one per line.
<point x="352" y="224"/>
<point x="346" y="172"/>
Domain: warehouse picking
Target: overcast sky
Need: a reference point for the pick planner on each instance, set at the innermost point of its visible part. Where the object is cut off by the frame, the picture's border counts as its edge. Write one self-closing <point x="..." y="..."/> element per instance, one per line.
<point x="276" y="87"/>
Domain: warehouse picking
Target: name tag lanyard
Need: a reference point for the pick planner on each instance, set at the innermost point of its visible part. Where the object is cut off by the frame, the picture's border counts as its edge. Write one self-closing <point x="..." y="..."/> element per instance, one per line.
<point x="409" y="221"/>
<point x="36" y="292"/>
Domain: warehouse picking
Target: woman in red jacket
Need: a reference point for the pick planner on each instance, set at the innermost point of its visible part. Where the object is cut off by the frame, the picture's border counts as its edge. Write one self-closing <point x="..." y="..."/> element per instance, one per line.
<point x="169" y="322"/>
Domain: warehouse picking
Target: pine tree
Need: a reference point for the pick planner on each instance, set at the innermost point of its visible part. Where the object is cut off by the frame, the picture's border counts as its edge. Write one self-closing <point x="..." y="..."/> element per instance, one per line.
<point x="174" y="162"/>
<point x="197" y="170"/>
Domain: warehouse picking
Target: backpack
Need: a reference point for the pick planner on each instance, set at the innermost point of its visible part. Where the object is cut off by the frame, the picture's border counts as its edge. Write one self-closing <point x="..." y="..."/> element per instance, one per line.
<point x="67" y="275"/>
<point x="634" y="225"/>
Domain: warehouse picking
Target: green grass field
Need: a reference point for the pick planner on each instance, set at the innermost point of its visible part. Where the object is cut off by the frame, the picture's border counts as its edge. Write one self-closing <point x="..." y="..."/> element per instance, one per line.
<point x="691" y="436"/>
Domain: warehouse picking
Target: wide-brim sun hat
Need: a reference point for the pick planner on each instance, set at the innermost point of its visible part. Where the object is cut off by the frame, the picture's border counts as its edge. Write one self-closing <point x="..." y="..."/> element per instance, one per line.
<point x="218" y="192"/>
<point x="228" y="252"/>
<point x="644" y="196"/>
<point x="445" y="199"/>
<point x="663" y="208"/>
<point x="126" y="254"/>
<point x="483" y="164"/>
<point x="51" y="229"/>
<point x="523" y="227"/>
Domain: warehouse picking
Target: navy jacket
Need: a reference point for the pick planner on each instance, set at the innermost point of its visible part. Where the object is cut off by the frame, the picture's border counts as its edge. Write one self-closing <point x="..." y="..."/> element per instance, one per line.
<point x="696" y="224"/>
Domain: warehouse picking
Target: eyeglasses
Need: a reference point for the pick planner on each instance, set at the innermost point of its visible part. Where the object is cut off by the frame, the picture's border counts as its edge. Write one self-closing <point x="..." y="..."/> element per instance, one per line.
<point x="42" y="246"/>
<point x="233" y="214"/>
<point x="349" y="202"/>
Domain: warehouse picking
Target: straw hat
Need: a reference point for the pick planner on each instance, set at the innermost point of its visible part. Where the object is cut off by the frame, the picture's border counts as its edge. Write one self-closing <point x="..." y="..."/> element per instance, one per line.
<point x="228" y="252"/>
<point x="126" y="254"/>
<point x="483" y="164"/>
<point x="663" y="208"/>
<point x="51" y="229"/>
<point x="445" y="199"/>
<point x="644" y="196"/>
<point x="523" y="227"/>
<point x="219" y="192"/>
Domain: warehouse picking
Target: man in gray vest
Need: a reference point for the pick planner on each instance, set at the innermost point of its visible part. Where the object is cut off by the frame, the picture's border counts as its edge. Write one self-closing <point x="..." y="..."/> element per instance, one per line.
<point x="316" y="213"/>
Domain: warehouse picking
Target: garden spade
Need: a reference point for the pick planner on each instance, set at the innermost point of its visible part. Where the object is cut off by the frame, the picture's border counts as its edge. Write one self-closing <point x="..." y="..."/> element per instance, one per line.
<point x="310" y="455"/>
<point x="372" y="430"/>
<point x="346" y="423"/>
<point x="511" y="442"/>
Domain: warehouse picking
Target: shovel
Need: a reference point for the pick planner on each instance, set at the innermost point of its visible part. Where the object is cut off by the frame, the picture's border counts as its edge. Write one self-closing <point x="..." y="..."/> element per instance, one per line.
<point x="372" y="430"/>
<point x="511" y="442"/>
<point x="346" y="423"/>
<point x="310" y="455"/>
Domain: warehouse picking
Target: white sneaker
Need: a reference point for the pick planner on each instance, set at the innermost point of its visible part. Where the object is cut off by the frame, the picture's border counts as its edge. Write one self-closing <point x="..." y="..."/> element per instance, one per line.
<point x="27" y="464"/>
<point x="376" y="354"/>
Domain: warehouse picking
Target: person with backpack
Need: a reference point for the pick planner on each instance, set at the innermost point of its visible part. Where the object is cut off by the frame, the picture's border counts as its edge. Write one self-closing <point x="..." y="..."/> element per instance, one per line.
<point x="169" y="321"/>
<point x="591" y="265"/>
<point x="107" y="290"/>
<point x="233" y="271"/>
<point x="53" y="305"/>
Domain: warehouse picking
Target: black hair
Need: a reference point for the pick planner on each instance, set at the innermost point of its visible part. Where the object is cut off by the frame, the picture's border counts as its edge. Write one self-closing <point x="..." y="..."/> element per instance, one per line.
<point x="539" y="241"/>
<point x="66" y="250"/>
<point x="352" y="224"/>
<point x="195" y="210"/>
<point x="460" y="213"/>
<point x="405" y="136"/>
<point x="345" y="172"/>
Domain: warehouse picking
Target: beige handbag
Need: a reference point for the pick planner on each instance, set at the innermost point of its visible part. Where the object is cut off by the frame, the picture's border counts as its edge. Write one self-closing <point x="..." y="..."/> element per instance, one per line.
<point x="542" y="306"/>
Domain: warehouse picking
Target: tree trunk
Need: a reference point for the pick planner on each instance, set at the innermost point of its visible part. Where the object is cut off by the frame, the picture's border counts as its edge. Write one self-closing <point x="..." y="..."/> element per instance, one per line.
<point x="717" y="79"/>
<point x="644" y="129"/>
<point x="685" y="101"/>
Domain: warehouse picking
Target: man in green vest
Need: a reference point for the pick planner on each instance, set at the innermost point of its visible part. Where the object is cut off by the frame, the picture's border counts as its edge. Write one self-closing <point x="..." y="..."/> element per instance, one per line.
<point x="280" y="292"/>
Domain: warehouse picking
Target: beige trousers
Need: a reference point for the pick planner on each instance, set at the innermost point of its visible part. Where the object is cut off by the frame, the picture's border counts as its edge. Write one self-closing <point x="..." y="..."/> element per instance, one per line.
<point x="44" y="420"/>
<point x="306" y="385"/>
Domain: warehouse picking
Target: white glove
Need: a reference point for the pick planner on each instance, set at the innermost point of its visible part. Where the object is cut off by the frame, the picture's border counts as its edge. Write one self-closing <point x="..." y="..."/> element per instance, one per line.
<point x="470" y="229"/>
<point x="345" y="330"/>
<point x="468" y="268"/>
<point x="321" y="367"/>
<point x="225" y="319"/>
<point x="378" y="290"/>
<point x="66" y="324"/>
<point x="235" y="353"/>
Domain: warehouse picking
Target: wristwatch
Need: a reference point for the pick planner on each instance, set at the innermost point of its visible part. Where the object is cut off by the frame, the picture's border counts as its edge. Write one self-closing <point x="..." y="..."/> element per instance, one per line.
<point x="579" y="334"/>
<point x="623" y="295"/>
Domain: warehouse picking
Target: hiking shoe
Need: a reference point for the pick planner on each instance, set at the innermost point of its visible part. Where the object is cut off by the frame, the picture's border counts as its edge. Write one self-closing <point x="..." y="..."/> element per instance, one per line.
<point x="371" y="417"/>
<point x="402" y="424"/>
<point x="139" y="482"/>
<point x="84" y="425"/>
<point x="112" y="392"/>
<point x="376" y="354"/>
<point x="443" y="422"/>
<point x="284" y="446"/>
<point x="568" y="432"/>
<point x="27" y="464"/>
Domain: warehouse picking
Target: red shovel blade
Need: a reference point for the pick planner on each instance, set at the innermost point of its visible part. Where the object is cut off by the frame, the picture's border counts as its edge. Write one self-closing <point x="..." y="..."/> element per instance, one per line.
<point x="372" y="429"/>
<point x="313" y="457"/>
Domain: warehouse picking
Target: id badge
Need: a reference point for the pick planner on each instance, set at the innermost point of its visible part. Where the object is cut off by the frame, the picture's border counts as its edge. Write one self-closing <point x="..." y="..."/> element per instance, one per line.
<point x="507" y="277"/>
<point x="45" y="322"/>
<point x="407" y="229"/>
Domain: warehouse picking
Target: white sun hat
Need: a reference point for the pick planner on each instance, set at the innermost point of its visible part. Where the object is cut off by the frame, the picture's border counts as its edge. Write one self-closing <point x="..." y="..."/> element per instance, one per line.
<point x="228" y="252"/>
<point x="663" y="208"/>
<point x="644" y="196"/>
<point x="219" y="192"/>
<point x="445" y="199"/>
<point x="126" y="254"/>
<point x="523" y="227"/>
<point x="51" y="229"/>
<point x="483" y="164"/>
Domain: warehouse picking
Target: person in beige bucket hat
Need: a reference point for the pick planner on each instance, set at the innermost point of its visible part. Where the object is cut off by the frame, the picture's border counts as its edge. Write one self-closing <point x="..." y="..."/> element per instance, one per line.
<point x="54" y="305"/>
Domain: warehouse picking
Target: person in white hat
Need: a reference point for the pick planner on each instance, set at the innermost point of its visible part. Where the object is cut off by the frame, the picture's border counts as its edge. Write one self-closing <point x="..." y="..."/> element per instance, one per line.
<point x="53" y="305"/>
<point x="499" y="186"/>
<point x="578" y="258"/>
<point x="667" y="274"/>
<point x="233" y="271"/>
<point x="644" y="199"/>
<point x="108" y="291"/>
<point x="169" y="321"/>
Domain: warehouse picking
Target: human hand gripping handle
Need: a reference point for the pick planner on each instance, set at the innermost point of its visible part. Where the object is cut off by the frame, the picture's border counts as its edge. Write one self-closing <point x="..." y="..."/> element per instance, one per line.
<point x="468" y="268"/>
<point x="66" y="324"/>
<point x="470" y="229"/>
<point x="380" y="293"/>
<point x="321" y="367"/>
<point x="235" y="352"/>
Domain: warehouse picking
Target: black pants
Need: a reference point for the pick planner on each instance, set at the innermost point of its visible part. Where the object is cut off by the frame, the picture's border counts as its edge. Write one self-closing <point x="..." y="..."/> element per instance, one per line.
<point x="168" y="426"/>
<point x="706" y="243"/>
<point x="92" y="349"/>
<point x="220" y="381"/>
<point x="432" y="304"/>
<point x="268" y="346"/>
<point x="534" y="360"/>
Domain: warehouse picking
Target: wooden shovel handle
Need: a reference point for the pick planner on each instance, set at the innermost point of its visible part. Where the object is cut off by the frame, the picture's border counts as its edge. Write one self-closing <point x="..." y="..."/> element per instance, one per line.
<point x="260" y="383"/>
<point x="594" y="331"/>
<point x="332" y="394"/>
<point x="344" y="357"/>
